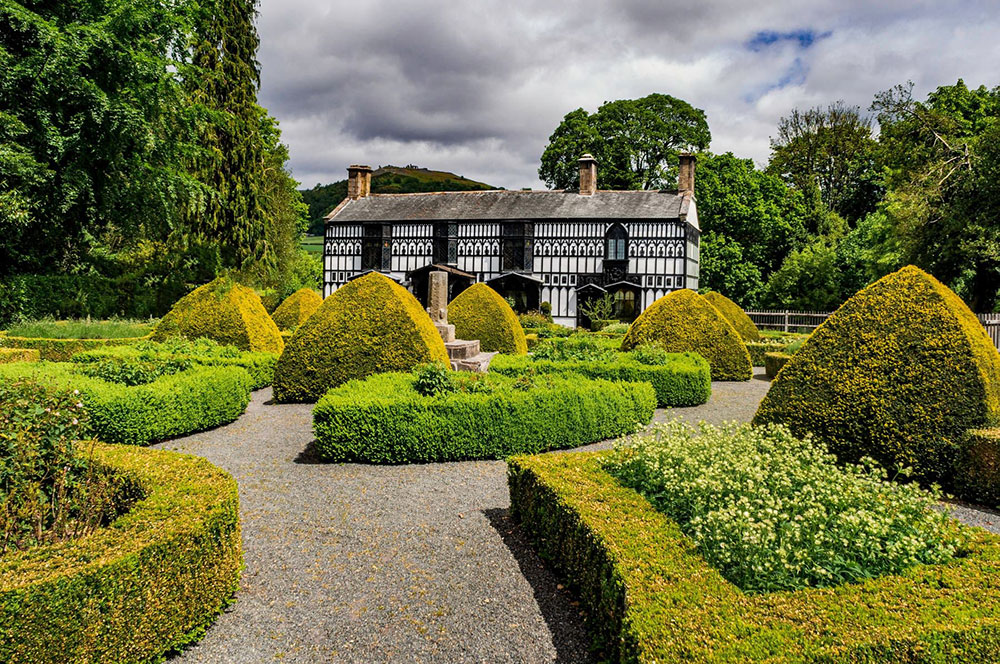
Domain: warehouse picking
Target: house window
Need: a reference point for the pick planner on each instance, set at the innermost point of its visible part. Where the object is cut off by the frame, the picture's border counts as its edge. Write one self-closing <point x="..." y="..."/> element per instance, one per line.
<point x="616" y="243"/>
<point x="624" y="300"/>
<point x="445" y="248"/>
<point x="517" y="246"/>
<point x="376" y="247"/>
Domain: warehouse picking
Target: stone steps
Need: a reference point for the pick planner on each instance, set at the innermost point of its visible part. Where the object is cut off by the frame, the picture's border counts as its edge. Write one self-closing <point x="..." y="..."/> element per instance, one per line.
<point x="467" y="356"/>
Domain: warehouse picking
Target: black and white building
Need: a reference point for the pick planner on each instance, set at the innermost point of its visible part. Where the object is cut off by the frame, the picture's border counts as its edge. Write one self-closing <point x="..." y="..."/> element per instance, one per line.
<point x="561" y="247"/>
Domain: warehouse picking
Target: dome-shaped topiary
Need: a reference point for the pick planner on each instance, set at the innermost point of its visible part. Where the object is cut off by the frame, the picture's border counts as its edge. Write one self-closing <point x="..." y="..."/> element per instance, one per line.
<point x="735" y="315"/>
<point x="296" y="308"/>
<point x="685" y="321"/>
<point x="371" y="325"/>
<point x="899" y="373"/>
<point x="224" y="311"/>
<point x="480" y="313"/>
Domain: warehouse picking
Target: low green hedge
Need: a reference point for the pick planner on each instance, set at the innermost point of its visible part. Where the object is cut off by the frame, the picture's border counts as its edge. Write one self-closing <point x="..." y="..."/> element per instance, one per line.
<point x="773" y="363"/>
<point x="9" y="355"/>
<point x="977" y="470"/>
<point x="171" y="406"/>
<point x="62" y="350"/>
<point x="383" y="419"/>
<point x="685" y="380"/>
<point x="649" y="597"/>
<point x="259" y="365"/>
<point x="149" y="582"/>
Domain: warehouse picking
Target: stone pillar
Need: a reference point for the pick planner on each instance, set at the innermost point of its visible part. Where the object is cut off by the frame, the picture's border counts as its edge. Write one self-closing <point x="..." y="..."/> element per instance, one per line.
<point x="437" y="304"/>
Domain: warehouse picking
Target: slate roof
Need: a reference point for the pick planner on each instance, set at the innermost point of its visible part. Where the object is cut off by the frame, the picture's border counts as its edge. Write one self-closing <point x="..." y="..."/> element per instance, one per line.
<point x="502" y="204"/>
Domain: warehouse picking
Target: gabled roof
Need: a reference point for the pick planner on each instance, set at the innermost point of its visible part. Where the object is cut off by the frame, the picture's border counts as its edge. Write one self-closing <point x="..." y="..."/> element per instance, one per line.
<point x="501" y="204"/>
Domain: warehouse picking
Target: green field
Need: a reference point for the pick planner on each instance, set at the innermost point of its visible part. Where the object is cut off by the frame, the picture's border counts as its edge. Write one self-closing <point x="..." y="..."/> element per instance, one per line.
<point x="313" y="244"/>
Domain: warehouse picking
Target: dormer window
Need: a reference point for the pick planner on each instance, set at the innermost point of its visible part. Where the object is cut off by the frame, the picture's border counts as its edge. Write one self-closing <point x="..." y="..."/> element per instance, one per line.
<point x="616" y="243"/>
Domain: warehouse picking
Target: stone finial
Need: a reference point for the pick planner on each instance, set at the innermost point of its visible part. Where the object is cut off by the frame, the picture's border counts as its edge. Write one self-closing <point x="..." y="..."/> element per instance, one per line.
<point x="588" y="175"/>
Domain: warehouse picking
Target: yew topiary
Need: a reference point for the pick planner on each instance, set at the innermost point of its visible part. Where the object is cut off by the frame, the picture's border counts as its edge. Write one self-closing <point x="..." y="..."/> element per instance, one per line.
<point x="735" y="315"/>
<point x="480" y="313"/>
<point x="899" y="373"/>
<point x="684" y="321"/>
<point x="296" y="308"/>
<point x="371" y="325"/>
<point x="226" y="312"/>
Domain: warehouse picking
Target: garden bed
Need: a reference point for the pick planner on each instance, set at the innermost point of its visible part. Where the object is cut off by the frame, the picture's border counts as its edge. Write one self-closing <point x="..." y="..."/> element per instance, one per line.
<point x="169" y="406"/>
<point x="149" y="582"/>
<point x="384" y="419"/>
<point x="681" y="379"/>
<point x="651" y="597"/>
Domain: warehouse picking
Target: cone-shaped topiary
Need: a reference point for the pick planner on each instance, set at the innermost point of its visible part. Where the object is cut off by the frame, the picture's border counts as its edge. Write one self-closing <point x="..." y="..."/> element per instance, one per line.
<point x="371" y="325"/>
<point x="224" y="311"/>
<point x="735" y="315"/>
<point x="296" y="308"/>
<point x="685" y="321"/>
<point x="899" y="373"/>
<point x="480" y="313"/>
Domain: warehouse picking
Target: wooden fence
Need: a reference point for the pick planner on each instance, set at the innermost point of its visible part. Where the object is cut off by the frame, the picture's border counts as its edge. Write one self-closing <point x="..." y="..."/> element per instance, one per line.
<point x="807" y="321"/>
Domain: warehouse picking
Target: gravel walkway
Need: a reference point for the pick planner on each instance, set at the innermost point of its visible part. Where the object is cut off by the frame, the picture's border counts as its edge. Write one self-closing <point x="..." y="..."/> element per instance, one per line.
<point x="355" y="563"/>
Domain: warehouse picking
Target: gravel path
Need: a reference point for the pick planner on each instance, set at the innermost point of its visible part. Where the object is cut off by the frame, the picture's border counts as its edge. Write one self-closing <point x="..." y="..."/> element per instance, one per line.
<point x="355" y="563"/>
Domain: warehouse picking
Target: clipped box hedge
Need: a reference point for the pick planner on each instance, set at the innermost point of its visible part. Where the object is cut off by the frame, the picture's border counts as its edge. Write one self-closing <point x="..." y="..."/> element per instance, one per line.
<point x="734" y="314"/>
<point x="260" y="365"/>
<point x="62" y="350"/>
<point x="480" y="313"/>
<point x="385" y="420"/>
<point x="685" y="380"/>
<point x="773" y="362"/>
<point x="149" y="582"/>
<point x="171" y="406"/>
<point x="651" y="598"/>
<point x="977" y="471"/>
<point x="9" y="355"/>
<point x="296" y="309"/>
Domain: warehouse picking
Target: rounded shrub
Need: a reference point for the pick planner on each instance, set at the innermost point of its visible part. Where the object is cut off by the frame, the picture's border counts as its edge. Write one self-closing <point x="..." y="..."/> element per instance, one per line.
<point x="480" y="313"/>
<point x="899" y="373"/>
<point x="226" y="312"/>
<point x="371" y="325"/>
<point x="734" y="314"/>
<point x="149" y="582"/>
<point x="390" y="419"/>
<point x="683" y="321"/>
<point x="296" y="308"/>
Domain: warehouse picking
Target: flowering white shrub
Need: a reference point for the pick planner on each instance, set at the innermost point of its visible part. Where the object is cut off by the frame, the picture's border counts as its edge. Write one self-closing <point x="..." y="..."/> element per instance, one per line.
<point x="774" y="512"/>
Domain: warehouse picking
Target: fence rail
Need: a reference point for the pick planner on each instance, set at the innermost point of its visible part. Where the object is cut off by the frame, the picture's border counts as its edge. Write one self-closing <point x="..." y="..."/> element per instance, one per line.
<point x="806" y="321"/>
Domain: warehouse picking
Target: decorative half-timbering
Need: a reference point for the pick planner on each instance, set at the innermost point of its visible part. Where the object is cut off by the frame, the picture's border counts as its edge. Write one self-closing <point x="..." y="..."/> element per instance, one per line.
<point x="561" y="247"/>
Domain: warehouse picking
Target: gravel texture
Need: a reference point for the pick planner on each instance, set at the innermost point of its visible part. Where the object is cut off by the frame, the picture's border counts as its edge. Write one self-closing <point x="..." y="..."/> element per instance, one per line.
<point x="420" y="563"/>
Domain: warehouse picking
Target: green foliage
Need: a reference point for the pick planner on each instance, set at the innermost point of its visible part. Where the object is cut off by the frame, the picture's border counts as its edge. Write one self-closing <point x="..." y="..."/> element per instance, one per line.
<point x="170" y="406"/>
<point x="899" y="373"/>
<point x="371" y="325"/>
<point x="774" y="362"/>
<point x="480" y="313"/>
<point x="735" y="315"/>
<point x="133" y="371"/>
<point x="829" y="155"/>
<point x="433" y="378"/>
<point x="810" y="279"/>
<point x="383" y="419"/>
<point x="723" y="266"/>
<point x="62" y="350"/>
<point x="645" y="590"/>
<point x="582" y="349"/>
<point x="534" y="320"/>
<point x="759" y="349"/>
<point x="678" y="379"/>
<point x="147" y="584"/>
<point x="296" y="308"/>
<point x="598" y="309"/>
<point x="81" y="329"/>
<point x="977" y="471"/>
<point x="774" y="512"/>
<point x="81" y="296"/>
<point x="223" y="311"/>
<point x="8" y="355"/>
<point x="683" y="321"/>
<point x="635" y="142"/>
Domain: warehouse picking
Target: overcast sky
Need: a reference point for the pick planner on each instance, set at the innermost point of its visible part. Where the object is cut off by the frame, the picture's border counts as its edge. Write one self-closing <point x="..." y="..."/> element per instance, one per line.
<point x="476" y="86"/>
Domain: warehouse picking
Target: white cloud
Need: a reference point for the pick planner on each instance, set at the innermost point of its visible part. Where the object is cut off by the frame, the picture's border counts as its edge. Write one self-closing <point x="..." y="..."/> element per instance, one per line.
<point x="476" y="88"/>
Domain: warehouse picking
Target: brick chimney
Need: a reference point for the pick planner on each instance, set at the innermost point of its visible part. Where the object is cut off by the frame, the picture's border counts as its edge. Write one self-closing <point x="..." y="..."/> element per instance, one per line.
<point x="588" y="175"/>
<point x="359" y="181"/>
<point x="685" y="174"/>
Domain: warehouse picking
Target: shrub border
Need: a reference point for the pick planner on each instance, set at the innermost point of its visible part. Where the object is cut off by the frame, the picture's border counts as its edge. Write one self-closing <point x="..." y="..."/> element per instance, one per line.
<point x="650" y="597"/>
<point x="61" y="350"/>
<point x="11" y="355"/>
<point x="773" y="362"/>
<point x="148" y="583"/>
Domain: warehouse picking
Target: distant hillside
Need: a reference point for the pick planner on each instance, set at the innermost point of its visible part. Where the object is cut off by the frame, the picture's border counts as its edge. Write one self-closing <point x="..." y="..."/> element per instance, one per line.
<point x="386" y="180"/>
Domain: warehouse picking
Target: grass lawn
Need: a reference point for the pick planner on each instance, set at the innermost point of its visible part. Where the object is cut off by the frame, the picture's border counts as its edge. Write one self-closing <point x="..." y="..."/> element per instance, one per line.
<point x="81" y="329"/>
<point x="313" y="244"/>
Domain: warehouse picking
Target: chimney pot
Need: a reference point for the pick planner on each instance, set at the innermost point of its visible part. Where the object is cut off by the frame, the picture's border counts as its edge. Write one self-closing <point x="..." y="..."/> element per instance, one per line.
<point x="685" y="173"/>
<point x="359" y="181"/>
<point x="588" y="175"/>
